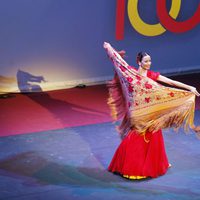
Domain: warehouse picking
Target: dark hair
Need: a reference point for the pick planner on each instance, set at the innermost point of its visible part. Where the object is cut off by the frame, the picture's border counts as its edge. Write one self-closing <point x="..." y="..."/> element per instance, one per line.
<point x="140" y="55"/>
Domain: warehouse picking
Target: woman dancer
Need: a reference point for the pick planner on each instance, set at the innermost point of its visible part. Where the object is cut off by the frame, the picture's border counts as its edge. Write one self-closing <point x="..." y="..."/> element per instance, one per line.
<point x="141" y="153"/>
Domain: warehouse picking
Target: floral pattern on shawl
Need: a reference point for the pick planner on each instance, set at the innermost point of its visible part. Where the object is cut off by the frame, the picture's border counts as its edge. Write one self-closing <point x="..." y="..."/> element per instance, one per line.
<point x="143" y="104"/>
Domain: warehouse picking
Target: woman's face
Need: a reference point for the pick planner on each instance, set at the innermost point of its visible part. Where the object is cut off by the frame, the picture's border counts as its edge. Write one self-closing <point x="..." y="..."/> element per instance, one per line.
<point x="146" y="62"/>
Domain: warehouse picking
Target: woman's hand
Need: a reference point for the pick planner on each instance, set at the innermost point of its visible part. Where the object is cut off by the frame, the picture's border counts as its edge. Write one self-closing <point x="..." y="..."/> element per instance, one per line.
<point x="106" y="45"/>
<point x="194" y="90"/>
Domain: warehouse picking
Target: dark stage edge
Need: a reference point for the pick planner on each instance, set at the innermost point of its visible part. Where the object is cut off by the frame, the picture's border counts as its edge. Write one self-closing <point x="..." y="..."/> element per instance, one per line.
<point x="71" y="163"/>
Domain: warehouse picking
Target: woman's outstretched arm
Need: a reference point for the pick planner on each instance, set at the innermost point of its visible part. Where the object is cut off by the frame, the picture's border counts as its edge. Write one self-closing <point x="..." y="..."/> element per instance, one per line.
<point x="177" y="84"/>
<point x="115" y="55"/>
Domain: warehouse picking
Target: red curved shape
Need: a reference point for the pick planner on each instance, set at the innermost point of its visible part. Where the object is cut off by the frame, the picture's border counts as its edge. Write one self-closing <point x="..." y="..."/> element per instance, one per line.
<point x="120" y="13"/>
<point x="172" y="25"/>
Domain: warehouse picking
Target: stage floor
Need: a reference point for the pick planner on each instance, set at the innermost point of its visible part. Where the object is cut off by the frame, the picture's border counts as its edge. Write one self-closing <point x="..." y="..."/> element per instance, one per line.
<point x="71" y="163"/>
<point x="58" y="145"/>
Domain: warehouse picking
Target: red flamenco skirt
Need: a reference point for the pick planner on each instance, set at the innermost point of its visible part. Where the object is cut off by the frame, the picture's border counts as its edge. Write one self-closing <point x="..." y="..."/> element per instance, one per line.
<point x="140" y="157"/>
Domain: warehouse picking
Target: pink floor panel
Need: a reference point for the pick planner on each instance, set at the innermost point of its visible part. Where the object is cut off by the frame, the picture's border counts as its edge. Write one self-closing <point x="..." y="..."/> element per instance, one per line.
<point x="36" y="112"/>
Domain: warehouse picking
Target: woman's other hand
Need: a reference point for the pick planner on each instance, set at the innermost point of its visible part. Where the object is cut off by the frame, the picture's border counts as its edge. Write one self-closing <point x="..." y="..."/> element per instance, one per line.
<point x="194" y="90"/>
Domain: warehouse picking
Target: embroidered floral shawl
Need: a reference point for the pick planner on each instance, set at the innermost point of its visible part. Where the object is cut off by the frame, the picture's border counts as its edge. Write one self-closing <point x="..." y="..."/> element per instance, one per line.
<point x="143" y="104"/>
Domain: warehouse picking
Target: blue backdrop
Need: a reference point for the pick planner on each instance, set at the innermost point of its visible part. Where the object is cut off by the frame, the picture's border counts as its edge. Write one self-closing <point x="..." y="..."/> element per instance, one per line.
<point x="60" y="41"/>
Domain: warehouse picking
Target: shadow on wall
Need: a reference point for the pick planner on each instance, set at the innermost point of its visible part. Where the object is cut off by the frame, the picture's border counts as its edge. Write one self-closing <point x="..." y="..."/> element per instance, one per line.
<point x="28" y="82"/>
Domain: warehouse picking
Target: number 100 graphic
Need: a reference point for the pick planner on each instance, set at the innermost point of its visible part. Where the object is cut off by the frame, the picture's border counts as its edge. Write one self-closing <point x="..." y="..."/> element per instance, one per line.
<point x="167" y="20"/>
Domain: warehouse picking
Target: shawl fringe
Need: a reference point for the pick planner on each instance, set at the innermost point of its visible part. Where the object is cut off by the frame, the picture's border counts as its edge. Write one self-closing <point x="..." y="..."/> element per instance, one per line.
<point x="176" y="118"/>
<point x="118" y="106"/>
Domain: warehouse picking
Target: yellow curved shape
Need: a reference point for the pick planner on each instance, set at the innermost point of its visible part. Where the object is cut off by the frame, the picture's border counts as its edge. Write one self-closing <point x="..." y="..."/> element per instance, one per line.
<point x="149" y="29"/>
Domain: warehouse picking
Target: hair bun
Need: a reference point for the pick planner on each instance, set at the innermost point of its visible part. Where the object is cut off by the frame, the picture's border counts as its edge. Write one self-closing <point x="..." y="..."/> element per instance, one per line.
<point x="140" y="55"/>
